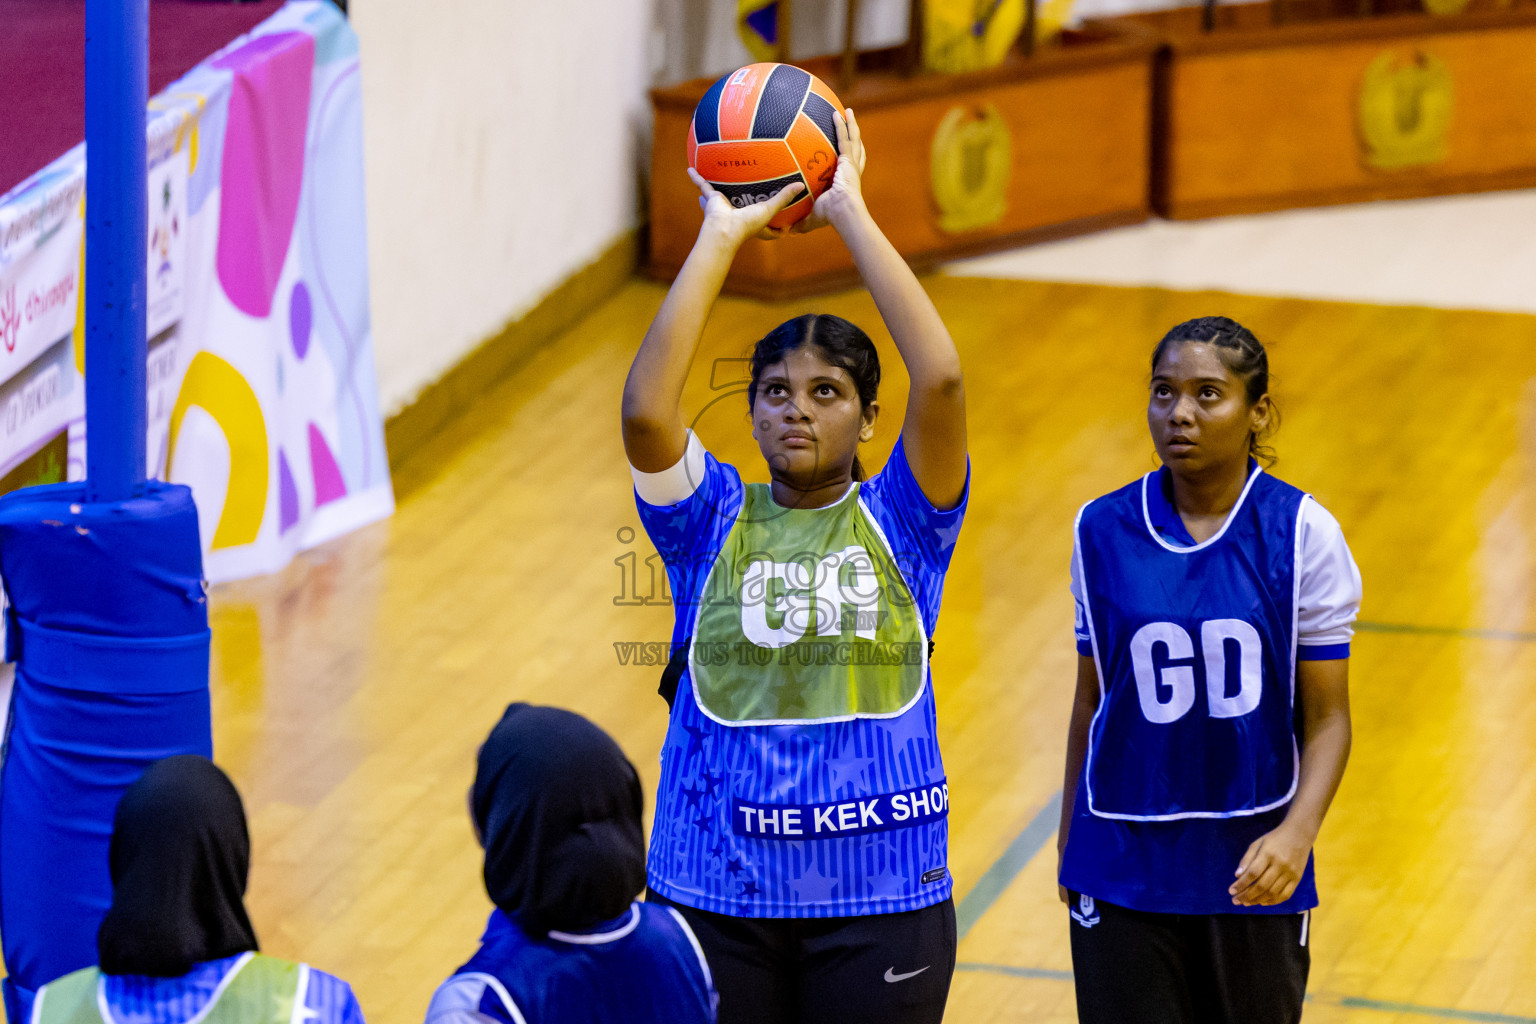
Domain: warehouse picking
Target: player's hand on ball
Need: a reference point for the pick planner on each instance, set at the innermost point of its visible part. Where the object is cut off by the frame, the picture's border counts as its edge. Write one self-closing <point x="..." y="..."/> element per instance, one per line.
<point x="846" y="194"/>
<point x="738" y="224"/>
<point x="1271" y="869"/>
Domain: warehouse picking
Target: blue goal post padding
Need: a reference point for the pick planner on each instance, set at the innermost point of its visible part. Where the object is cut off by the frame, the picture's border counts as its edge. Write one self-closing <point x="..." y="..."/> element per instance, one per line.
<point x="108" y="626"/>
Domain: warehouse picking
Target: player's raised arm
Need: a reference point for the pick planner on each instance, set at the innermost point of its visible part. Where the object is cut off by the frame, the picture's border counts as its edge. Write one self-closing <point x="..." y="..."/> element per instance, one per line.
<point x="934" y="428"/>
<point x="654" y="434"/>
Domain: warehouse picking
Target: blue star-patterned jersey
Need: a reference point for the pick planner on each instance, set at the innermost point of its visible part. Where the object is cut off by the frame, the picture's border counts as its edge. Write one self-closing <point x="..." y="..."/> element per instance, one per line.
<point x="801" y="774"/>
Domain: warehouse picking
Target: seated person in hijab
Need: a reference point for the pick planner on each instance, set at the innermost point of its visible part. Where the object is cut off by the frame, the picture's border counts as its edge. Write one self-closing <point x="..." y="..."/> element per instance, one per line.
<point x="176" y="945"/>
<point x="557" y="807"/>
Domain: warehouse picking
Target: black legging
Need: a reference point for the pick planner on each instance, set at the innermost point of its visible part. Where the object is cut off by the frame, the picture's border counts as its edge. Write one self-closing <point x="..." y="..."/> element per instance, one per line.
<point x="875" y="969"/>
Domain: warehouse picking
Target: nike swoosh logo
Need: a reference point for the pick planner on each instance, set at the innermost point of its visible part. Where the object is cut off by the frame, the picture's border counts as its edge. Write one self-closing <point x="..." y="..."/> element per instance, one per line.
<point x="890" y="974"/>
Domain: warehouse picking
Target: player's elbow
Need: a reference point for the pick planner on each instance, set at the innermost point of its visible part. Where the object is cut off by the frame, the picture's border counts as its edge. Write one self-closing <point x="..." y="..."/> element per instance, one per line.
<point x="1334" y="723"/>
<point x="652" y="437"/>
<point x="641" y="428"/>
<point x="640" y="413"/>
<point x="947" y="384"/>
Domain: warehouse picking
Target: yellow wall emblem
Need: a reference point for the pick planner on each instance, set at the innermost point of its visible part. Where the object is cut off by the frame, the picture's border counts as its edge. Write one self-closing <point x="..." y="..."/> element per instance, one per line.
<point x="966" y="35"/>
<point x="1405" y="111"/>
<point x="972" y="164"/>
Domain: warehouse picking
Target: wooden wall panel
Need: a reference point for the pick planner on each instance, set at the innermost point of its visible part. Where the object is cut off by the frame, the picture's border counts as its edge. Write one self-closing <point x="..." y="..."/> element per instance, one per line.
<point x="1269" y="119"/>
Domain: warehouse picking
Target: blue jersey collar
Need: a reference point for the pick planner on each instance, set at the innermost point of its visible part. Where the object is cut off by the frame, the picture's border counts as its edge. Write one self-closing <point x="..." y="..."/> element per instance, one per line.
<point x="1162" y="514"/>
<point x="501" y="923"/>
<point x="608" y="931"/>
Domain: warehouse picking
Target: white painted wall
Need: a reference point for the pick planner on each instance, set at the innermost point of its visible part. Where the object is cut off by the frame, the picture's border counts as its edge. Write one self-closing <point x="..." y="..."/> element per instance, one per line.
<point x="504" y="140"/>
<point x="1456" y="252"/>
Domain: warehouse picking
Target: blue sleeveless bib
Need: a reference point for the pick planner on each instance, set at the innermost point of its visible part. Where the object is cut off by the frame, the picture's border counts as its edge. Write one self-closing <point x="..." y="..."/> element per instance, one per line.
<point x="645" y="969"/>
<point x="1196" y="652"/>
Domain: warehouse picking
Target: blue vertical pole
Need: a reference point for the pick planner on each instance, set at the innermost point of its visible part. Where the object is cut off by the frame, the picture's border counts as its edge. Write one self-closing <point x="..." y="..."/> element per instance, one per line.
<point x="108" y="617"/>
<point x="116" y="243"/>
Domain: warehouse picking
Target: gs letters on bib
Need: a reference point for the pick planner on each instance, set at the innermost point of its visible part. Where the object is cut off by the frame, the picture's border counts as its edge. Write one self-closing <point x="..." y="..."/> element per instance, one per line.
<point x="1196" y="658"/>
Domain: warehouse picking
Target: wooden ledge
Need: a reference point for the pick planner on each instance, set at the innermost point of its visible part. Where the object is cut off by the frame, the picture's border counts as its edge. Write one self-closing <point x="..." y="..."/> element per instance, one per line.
<point x="1254" y="26"/>
<point x="882" y="86"/>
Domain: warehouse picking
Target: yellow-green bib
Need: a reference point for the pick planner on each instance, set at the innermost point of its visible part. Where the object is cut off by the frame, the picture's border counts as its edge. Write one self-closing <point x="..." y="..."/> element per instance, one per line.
<point x="805" y="617"/>
<point x="262" y="990"/>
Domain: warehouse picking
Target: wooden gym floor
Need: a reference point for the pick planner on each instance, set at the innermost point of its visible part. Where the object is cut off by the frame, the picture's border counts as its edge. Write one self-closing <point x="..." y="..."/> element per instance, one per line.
<point x="351" y="691"/>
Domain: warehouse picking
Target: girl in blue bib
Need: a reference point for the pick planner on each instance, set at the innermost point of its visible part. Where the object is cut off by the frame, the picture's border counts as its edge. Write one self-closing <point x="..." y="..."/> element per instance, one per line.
<point x="1211" y="726"/>
<point x="801" y="817"/>
<point x="556" y="805"/>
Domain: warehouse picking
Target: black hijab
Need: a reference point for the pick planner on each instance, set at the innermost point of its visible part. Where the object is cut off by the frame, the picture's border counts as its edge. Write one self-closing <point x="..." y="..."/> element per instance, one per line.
<point x="179" y="857"/>
<point x="558" y="808"/>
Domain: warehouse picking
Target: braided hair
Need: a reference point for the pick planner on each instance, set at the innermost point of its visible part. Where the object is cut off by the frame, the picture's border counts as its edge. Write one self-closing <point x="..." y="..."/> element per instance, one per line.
<point x="1242" y="354"/>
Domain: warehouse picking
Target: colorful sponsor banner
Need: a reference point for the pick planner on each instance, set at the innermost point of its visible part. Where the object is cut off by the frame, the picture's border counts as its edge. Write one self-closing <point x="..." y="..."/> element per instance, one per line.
<point x="261" y="385"/>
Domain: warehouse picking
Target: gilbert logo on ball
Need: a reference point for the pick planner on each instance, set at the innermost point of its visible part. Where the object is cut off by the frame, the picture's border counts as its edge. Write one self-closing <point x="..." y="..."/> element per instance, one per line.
<point x="761" y="128"/>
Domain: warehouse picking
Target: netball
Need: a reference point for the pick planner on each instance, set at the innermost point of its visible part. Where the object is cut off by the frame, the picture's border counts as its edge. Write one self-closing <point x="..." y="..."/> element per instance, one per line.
<point x="763" y="127"/>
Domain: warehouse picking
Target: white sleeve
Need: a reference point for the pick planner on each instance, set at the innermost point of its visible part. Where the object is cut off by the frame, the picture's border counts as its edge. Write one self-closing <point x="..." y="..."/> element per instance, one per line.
<point x="1330" y="588"/>
<point x="1077" y="583"/>
<point x="1079" y="613"/>
<point x="676" y="483"/>
<point x="457" y="1001"/>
